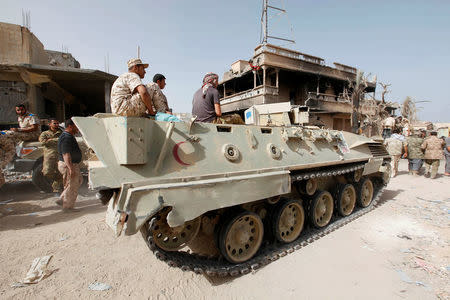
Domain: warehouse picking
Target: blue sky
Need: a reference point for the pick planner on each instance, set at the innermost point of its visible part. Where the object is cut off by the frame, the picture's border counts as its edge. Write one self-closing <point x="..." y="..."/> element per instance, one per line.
<point x="405" y="43"/>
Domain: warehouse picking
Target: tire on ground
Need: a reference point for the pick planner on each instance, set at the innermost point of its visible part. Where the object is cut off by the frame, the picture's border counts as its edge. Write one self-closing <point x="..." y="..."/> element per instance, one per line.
<point x="39" y="180"/>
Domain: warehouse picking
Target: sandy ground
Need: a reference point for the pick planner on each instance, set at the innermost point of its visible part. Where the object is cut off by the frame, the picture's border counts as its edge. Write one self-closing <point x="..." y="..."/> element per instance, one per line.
<point x="398" y="251"/>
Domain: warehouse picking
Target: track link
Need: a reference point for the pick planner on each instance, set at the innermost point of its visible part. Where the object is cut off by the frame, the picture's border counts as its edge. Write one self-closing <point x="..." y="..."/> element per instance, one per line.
<point x="269" y="252"/>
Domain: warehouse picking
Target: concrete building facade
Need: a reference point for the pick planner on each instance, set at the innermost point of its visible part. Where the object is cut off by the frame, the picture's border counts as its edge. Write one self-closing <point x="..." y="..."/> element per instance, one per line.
<point x="275" y="74"/>
<point x="49" y="83"/>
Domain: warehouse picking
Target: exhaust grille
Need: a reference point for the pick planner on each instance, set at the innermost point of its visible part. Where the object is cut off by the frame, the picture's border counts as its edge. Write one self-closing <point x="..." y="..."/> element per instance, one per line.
<point x="378" y="150"/>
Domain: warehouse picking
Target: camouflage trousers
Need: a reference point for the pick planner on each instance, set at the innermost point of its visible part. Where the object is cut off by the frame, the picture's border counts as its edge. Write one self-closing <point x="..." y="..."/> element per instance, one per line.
<point x="131" y="107"/>
<point x="434" y="165"/>
<point x="50" y="170"/>
<point x="18" y="137"/>
<point x="71" y="184"/>
<point x="7" y="151"/>
<point x="394" y="164"/>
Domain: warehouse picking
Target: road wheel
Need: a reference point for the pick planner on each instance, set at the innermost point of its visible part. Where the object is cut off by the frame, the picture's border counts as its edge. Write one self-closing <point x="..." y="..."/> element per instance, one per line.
<point x="365" y="192"/>
<point x="288" y="221"/>
<point x="308" y="187"/>
<point x="173" y="238"/>
<point x="321" y="209"/>
<point x="39" y="180"/>
<point x="355" y="176"/>
<point x="241" y="236"/>
<point x="346" y="199"/>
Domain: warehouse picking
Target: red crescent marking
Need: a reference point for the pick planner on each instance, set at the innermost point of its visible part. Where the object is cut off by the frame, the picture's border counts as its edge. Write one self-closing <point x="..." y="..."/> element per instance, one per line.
<point x="176" y="156"/>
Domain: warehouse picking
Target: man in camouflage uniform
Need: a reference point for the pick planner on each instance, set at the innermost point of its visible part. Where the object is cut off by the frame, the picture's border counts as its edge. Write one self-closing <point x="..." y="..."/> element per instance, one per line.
<point x="414" y="153"/>
<point x="394" y="145"/>
<point x="129" y="97"/>
<point x="157" y="97"/>
<point x="29" y="127"/>
<point x="434" y="151"/>
<point x="29" y="130"/>
<point x="49" y="140"/>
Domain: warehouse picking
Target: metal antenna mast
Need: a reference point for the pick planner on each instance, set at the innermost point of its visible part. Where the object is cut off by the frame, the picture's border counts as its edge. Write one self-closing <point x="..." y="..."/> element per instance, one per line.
<point x="265" y="23"/>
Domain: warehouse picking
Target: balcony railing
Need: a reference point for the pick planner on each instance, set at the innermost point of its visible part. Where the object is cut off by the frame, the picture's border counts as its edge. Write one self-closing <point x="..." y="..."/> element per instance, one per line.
<point x="258" y="91"/>
<point x="328" y="97"/>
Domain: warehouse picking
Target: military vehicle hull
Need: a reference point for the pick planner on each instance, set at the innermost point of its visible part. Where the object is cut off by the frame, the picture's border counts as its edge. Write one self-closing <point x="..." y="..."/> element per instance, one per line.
<point x="229" y="191"/>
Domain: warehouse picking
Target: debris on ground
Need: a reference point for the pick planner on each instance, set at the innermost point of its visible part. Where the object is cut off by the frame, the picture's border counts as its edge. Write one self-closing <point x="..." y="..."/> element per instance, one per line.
<point x="405" y="278"/>
<point x="38" y="270"/>
<point x="63" y="238"/>
<point x="99" y="286"/>
<point x="404" y="236"/>
<point x="6" y="201"/>
<point x="18" y="285"/>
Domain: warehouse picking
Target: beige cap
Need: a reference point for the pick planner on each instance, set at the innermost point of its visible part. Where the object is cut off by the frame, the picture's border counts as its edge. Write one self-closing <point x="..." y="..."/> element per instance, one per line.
<point x="136" y="61"/>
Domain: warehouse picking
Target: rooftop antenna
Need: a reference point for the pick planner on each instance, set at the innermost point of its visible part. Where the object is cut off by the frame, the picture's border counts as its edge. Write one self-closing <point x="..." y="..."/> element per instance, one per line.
<point x="26" y="19"/>
<point x="265" y="23"/>
<point x="107" y="62"/>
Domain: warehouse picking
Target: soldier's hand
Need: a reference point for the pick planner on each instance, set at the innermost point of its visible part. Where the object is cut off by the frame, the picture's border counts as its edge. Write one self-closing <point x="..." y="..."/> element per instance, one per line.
<point x="14" y="129"/>
<point x="70" y="172"/>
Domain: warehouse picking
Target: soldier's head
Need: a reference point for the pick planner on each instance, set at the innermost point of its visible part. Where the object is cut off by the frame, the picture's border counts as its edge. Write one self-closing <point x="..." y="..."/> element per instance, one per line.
<point x="53" y="124"/>
<point x="212" y="79"/>
<point x="135" y="65"/>
<point x="71" y="127"/>
<point x="160" y="80"/>
<point x="422" y="133"/>
<point x="21" y="110"/>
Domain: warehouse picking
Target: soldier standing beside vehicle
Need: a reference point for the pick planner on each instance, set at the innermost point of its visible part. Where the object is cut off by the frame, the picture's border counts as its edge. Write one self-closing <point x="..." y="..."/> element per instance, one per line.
<point x="433" y="147"/>
<point x="49" y="140"/>
<point x="414" y="153"/>
<point x="68" y="166"/>
<point x="129" y="96"/>
<point x="206" y="105"/>
<point x="394" y="146"/>
<point x="158" y="99"/>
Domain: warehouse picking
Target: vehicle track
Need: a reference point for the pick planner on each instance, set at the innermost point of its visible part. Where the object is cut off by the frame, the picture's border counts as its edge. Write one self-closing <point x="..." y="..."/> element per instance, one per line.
<point x="269" y="252"/>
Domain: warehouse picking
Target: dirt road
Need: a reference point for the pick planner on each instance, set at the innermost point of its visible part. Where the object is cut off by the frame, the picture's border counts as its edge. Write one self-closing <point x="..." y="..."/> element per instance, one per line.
<point x="398" y="251"/>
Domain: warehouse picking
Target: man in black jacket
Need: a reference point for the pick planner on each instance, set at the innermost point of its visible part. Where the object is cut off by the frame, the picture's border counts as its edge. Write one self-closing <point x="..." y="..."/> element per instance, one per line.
<point x="68" y="166"/>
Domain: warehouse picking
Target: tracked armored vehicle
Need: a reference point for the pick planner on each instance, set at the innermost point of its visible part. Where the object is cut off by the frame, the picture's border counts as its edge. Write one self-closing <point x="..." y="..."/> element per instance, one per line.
<point x="228" y="199"/>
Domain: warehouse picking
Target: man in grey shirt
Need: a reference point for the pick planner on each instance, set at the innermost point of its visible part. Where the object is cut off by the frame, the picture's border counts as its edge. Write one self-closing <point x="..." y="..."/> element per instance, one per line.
<point x="206" y="105"/>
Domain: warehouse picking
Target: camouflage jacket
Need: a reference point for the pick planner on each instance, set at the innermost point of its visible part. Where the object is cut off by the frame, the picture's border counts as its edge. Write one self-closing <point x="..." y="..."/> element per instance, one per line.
<point x="49" y="140"/>
<point x="414" y="147"/>
<point x="394" y="146"/>
<point x="159" y="100"/>
<point x="434" y="148"/>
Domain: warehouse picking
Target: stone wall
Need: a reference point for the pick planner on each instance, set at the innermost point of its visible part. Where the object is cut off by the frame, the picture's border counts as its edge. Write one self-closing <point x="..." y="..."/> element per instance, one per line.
<point x="19" y="45"/>
<point x="11" y="94"/>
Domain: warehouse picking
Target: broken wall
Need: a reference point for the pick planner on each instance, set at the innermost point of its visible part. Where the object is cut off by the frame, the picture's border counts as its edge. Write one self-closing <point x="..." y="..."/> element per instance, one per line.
<point x="19" y="45"/>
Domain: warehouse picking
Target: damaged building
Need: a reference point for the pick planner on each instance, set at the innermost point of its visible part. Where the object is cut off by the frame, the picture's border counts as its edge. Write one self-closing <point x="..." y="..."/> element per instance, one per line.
<point x="50" y="83"/>
<point x="275" y="74"/>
